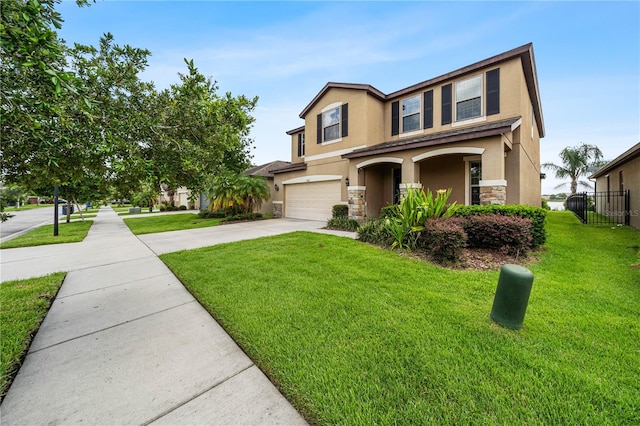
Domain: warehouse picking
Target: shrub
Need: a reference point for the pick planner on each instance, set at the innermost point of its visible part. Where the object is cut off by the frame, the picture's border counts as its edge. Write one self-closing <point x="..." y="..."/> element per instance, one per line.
<point x="513" y="234"/>
<point x="162" y="208"/>
<point x="375" y="232"/>
<point x="544" y="204"/>
<point x="416" y="206"/>
<point x="207" y="214"/>
<point x="183" y="207"/>
<point x="388" y="211"/>
<point x="243" y="216"/>
<point x="443" y="239"/>
<point x="340" y="210"/>
<point x="536" y="214"/>
<point x="343" y="223"/>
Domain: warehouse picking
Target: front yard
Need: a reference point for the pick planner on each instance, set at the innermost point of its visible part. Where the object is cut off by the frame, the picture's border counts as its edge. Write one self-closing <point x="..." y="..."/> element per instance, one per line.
<point x="354" y="334"/>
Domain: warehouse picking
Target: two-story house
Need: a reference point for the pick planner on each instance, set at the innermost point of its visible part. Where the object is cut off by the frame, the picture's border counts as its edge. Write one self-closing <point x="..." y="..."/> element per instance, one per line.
<point x="476" y="130"/>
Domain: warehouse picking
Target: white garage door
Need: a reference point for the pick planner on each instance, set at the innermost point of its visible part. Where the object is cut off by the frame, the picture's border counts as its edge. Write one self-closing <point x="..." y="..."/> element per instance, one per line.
<point x="312" y="200"/>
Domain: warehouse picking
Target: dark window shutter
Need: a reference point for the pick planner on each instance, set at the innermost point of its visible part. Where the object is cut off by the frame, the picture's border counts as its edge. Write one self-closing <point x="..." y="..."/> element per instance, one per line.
<point x="299" y="144"/>
<point x="345" y="120"/>
<point x="446" y="104"/>
<point x="395" y="118"/>
<point x="428" y="109"/>
<point x="493" y="91"/>
<point x="319" y="133"/>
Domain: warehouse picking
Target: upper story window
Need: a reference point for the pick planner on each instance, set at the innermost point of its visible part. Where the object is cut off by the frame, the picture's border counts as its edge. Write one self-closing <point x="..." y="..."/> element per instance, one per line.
<point x="469" y="98"/>
<point x="333" y="123"/>
<point x="411" y="114"/>
<point x="300" y="144"/>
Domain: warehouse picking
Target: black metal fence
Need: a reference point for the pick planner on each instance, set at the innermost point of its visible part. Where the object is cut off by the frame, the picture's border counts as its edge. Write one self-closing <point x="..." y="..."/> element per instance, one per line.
<point x="605" y="208"/>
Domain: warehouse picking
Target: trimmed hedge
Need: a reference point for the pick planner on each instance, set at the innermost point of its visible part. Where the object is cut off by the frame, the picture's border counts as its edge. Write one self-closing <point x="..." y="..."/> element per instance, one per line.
<point x="499" y="232"/>
<point x="207" y="214"/>
<point x="443" y="239"/>
<point x="340" y="210"/>
<point x="537" y="215"/>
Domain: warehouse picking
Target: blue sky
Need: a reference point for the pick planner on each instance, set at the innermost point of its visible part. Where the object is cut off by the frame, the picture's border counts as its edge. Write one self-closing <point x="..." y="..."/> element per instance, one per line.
<point x="587" y="55"/>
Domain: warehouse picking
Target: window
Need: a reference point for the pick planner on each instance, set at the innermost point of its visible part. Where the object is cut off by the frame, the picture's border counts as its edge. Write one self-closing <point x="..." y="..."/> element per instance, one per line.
<point x="411" y="114"/>
<point x="475" y="174"/>
<point x="300" y="144"/>
<point x="333" y="123"/>
<point x="620" y="181"/>
<point x="469" y="98"/>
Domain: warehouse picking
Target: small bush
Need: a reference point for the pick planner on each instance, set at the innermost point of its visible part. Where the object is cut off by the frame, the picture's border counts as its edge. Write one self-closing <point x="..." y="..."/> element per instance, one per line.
<point x="513" y="234"/>
<point x="544" y="204"/>
<point x="242" y="217"/>
<point x="443" y="239"/>
<point x="162" y="208"/>
<point x="388" y="211"/>
<point x="340" y="210"/>
<point x="343" y="223"/>
<point x="537" y="215"/>
<point x="207" y="214"/>
<point x="375" y="232"/>
<point x="182" y="207"/>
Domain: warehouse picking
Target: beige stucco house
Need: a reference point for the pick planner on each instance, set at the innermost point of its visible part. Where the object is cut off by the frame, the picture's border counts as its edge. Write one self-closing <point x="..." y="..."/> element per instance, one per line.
<point x="613" y="180"/>
<point x="476" y="130"/>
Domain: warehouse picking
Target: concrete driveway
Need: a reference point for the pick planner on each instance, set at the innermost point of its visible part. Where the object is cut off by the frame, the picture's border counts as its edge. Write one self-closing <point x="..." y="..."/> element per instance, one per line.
<point x="167" y="242"/>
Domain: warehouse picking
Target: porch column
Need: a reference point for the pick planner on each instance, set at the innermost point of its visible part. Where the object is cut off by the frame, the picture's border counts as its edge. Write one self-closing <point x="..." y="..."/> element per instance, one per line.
<point x="404" y="186"/>
<point x="357" y="210"/>
<point x="493" y="192"/>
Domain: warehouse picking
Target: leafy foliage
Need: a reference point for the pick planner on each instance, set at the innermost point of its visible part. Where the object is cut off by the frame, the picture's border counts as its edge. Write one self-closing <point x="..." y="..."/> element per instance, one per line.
<point x="537" y="215"/>
<point x="499" y="232"/>
<point x="443" y="239"/>
<point x="407" y="219"/>
<point x="340" y="210"/>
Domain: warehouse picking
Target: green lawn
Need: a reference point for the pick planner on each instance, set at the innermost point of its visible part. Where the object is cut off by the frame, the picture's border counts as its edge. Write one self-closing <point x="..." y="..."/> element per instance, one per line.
<point x="170" y="222"/>
<point x="353" y="334"/>
<point x="23" y="306"/>
<point x="26" y="207"/>
<point x="71" y="232"/>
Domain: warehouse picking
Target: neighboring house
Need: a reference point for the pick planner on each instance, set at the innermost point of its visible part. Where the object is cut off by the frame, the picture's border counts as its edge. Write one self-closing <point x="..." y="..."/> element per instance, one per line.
<point x="476" y="130"/>
<point x="613" y="179"/>
<point x="266" y="171"/>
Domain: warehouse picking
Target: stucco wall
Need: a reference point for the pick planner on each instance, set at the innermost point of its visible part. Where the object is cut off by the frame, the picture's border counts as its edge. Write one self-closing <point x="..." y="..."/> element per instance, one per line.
<point x="631" y="177"/>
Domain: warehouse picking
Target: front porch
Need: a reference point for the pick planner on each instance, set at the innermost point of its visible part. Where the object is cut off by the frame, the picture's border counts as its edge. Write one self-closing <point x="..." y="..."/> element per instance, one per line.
<point x="474" y="174"/>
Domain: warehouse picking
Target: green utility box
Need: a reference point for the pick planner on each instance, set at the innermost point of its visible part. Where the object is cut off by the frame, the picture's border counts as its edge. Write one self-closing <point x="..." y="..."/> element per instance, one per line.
<point x="512" y="296"/>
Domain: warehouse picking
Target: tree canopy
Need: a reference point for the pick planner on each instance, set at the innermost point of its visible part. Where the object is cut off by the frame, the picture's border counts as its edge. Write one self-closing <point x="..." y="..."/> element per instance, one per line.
<point x="81" y="117"/>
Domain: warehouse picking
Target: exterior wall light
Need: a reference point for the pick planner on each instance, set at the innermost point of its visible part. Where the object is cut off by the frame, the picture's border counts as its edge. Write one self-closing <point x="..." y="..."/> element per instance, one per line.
<point x="346" y="181"/>
<point x="276" y="187"/>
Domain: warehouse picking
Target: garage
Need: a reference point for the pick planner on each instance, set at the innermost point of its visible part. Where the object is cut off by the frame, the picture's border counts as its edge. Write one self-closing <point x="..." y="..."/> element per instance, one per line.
<point x="312" y="200"/>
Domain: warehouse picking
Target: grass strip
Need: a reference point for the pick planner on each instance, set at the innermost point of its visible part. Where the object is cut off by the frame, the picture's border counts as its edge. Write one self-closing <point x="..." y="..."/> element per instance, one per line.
<point x="353" y="334"/>
<point x="23" y="306"/>
<point x="170" y="222"/>
<point x="71" y="232"/>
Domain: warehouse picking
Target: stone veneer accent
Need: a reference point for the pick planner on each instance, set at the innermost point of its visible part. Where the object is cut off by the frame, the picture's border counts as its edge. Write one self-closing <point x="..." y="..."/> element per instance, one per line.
<point x="357" y="209"/>
<point x="495" y="194"/>
<point x="277" y="209"/>
<point x="404" y="186"/>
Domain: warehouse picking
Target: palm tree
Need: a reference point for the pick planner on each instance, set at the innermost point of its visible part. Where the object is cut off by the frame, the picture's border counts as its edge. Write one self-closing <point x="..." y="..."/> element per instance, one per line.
<point x="224" y="192"/>
<point x="576" y="162"/>
<point x="253" y="190"/>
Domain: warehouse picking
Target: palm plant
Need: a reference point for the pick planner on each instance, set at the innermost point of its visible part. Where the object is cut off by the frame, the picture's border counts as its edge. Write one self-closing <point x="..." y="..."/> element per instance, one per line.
<point x="253" y="190"/>
<point x="576" y="162"/>
<point x="223" y="192"/>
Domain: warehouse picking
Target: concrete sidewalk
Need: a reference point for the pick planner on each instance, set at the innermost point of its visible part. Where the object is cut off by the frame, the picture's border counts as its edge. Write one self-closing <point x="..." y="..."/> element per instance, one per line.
<point x="125" y="343"/>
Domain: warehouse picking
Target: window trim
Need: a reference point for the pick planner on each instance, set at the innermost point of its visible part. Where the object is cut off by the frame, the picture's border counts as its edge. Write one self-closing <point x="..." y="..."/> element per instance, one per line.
<point x="338" y="124"/>
<point x="301" y="145"/>
<point x="455" y="102"/>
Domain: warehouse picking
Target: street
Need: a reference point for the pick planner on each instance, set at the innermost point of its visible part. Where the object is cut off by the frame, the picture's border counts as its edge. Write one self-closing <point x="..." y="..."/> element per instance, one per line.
<point x="24" y="220"/>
